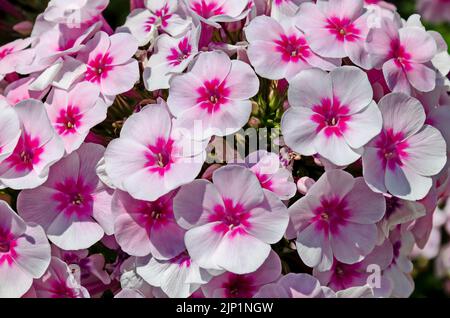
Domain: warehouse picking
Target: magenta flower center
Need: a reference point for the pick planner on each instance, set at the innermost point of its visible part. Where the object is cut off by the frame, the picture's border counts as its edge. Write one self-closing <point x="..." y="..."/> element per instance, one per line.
<point x="159" y="156"/>
<point x="343" y="29"/>
<point x="26" y="154"/>
<point x="392" y="148"/>
<point x="160" y="18"/>
<point x="212" y="95"/>
<point x="401" y="57"/>
<point x="331" y="116"/>
<point x="207" y="8"/>
<point x="7" y="245"/>
<point x="181" y="53"/>
<point x="331" y="215"/>
<point x="68" y="120"/>
<point x="74" y="197"/>
<point x="155" y="215"/>
<point x="99" y="68"/>
<point x="344" y="275"/>
<point x="232" y="217"/>
<point x="239" y="286"/>
<point x="292" y="48"/>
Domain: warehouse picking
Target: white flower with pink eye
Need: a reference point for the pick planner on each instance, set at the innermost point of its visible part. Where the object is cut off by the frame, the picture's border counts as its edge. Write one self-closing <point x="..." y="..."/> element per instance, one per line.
<point x="73" y="113"/>
<point x="212" y="12"/>
<point x="109" y="62"/>
<point x="332" y="114"/>
<point x="9" y="130"/>
<point x="171" y="55"/>
<point x="336" y="29"/>
<point x="38" y="148"/>
<point x="404" y="55"/>
<point x="73" y="205"/>
<point x="14" y="55"/>
<point x="143" y="227"/>
<point x="159" y="16"/>
<point x="229" y="285"/>
<point x="402" y="159"/>
<point x="279" y="50"/>
<point x="229" y="228"/>
<point x="24" y="253"/>
<point x="271" y="174"/>
<point x="178" y="277"/>
<point x="152" y="156"/>
<point x="214" y="95"/>
<point x="59" y="282"/>
<point x="336" y="219"/>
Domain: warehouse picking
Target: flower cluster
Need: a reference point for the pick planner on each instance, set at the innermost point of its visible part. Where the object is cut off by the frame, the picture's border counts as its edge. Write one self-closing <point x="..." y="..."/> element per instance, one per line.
<point x="233" y="148"/>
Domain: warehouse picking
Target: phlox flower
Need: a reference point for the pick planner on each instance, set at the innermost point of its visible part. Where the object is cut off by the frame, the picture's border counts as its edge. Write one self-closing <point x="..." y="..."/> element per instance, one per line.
<point x="342" y="276"/>
<point x="143" y="227"/>
<point x="73" y="205"/>
<point x="331" y="114"/>
<point x="230" y="228"/>
<point x="152" y="156"/>
<point x="158" y="16"/>
<point x="399" y="271"/>
<point x="229" y="285"/>
<point x="73" y="113"/>
<point x="402" y="159"/>
<point x="404" y="55"/>
<point x="212" y="95"/>
<point x="171" y="55"/>
<point x="336" y="29"/>
<point x="280" y="50"/>
<point x="59" y="282"/>
<point x="336" y="218"/>
<point x="15" y="54"/>
<point x="212" y="12"/>
<point x="9" y="130"/>
<point x="109" y="62"/>
<point x="178" y="277"/>
<point x="89" y="269"/>
<point x="271" y="174"/>
<point x="434" y="11"/>
<point x="24" y="253"/>
<point x="38" y="148"/>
